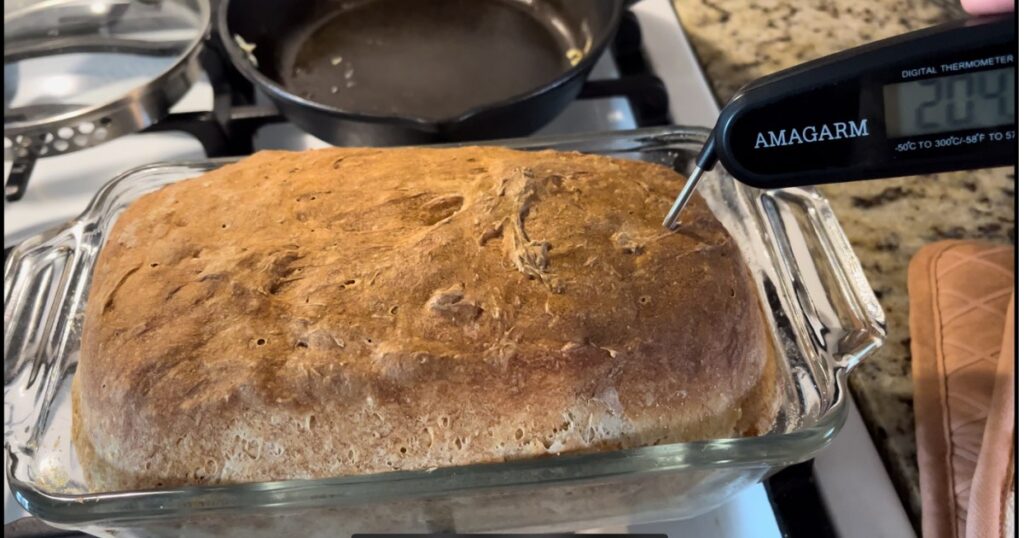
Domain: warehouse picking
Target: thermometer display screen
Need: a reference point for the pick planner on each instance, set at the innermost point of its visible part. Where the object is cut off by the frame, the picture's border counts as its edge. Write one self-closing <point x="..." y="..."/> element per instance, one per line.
<point x="972" y="100"/>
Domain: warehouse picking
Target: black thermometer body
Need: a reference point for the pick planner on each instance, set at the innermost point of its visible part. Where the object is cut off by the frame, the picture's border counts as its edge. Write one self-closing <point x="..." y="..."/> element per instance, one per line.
<point x="934" y="100"/>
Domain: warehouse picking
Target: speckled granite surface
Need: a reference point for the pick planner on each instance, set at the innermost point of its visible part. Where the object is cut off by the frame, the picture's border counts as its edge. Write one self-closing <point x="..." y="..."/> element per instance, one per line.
<point x="887" y="220"/>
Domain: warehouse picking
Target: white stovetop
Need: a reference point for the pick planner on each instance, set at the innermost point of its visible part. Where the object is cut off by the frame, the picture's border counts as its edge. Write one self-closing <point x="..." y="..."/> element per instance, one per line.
<point x="850" y="472"/>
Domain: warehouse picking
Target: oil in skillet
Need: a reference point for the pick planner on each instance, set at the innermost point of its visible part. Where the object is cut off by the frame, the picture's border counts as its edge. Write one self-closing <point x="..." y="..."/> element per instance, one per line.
<point x="435" y="59"/>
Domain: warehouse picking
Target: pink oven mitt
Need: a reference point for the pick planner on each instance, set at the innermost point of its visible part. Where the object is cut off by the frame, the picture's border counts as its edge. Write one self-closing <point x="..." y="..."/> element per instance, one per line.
<point x="990" y="509"/>
<point x="963" y="402"/>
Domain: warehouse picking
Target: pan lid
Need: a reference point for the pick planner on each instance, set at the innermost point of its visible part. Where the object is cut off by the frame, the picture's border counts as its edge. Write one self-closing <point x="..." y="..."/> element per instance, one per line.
<point x="79" y="72"/>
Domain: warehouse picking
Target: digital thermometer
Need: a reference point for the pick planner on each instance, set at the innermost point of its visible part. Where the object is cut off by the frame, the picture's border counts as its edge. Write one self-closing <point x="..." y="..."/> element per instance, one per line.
<point x="934" y="100"/>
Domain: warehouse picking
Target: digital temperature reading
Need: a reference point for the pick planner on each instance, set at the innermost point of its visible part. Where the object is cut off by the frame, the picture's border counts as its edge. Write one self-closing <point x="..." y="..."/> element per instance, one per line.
<point x="934" y="100"/>
<point x="972" y="100"/>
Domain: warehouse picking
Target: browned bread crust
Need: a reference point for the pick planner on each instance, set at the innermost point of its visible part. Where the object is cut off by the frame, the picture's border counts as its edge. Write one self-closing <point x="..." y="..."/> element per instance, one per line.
<point x="343" y="311"/>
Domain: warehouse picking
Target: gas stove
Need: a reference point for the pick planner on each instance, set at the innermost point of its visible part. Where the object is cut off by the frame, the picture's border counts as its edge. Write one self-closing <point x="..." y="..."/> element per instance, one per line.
<point x="650" y="76"/>
<point x="223" y="115"/>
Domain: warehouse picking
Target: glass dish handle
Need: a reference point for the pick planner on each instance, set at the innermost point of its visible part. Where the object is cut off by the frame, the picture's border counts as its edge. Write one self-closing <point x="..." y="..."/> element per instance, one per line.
<point x="856" y="300"/>
<point x="45" y="283"/>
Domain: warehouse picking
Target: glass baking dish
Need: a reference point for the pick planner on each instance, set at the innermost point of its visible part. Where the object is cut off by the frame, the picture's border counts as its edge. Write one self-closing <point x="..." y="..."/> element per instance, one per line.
<point x="824" y="319"/>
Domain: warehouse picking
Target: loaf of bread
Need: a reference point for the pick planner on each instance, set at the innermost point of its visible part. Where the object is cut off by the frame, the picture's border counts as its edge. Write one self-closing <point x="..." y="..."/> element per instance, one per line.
<point x="351" y="311"/>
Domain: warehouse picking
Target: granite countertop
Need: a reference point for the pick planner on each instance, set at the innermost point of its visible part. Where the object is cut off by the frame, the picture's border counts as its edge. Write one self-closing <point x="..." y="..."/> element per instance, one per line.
<point x="887" y="221"/>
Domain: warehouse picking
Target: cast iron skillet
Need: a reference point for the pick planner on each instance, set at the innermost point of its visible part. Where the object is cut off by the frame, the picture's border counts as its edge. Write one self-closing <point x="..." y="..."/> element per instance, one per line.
<point x="390" y="72"/>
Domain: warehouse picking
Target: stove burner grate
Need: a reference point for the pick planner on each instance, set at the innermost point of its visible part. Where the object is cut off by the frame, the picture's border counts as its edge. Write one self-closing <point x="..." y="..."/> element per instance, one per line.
<point x="229" y="129"/>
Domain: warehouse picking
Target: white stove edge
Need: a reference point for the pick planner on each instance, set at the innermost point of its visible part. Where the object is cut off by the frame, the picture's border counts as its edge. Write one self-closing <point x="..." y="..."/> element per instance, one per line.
<point x="856" y="487"/>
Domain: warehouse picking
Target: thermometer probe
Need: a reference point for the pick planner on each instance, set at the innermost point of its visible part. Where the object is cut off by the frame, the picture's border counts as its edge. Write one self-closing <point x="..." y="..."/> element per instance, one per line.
<point x="934" y="100"/>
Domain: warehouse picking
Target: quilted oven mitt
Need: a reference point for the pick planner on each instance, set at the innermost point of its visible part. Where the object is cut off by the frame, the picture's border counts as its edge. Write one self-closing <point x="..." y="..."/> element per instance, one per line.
<point x="963" y="360"/>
